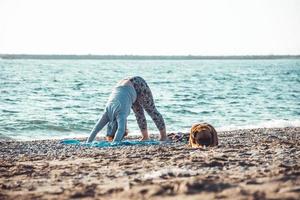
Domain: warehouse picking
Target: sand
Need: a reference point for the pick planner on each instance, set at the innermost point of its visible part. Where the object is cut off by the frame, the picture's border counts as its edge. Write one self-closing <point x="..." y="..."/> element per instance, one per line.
<point x="248" y="164"/>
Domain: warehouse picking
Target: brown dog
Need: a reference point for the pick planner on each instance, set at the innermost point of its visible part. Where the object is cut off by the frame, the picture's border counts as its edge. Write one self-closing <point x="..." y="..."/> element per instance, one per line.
<point x="203" y="134"/>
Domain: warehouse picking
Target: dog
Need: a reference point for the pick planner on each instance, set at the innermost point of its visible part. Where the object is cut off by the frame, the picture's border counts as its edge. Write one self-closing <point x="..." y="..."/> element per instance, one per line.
<point x="203" y="134"/>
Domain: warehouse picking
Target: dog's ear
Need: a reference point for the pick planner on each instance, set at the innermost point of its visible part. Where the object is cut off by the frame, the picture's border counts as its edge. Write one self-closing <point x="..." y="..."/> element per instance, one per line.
<point x="193" y="134"/>
<point x="192" y="140"/>
<point x="194" y="128"/>
<point x="215" y="140"/>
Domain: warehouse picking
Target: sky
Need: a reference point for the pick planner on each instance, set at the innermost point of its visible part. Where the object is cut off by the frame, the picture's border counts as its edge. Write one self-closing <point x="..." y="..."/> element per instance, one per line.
<point x="150" y="27"/>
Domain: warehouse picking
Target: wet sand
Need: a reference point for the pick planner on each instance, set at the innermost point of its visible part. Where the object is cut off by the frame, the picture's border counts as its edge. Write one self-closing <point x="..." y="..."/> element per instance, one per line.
<point x="248" y="164"/>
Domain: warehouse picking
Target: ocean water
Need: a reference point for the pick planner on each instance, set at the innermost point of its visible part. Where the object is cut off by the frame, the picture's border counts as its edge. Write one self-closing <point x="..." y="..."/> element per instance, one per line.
<point x="44" y="99"/>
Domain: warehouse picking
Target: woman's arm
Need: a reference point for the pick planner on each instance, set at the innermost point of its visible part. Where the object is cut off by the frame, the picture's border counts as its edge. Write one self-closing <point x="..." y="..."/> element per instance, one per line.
<point x="99" y="125"/>
<point x="121" y="120"/>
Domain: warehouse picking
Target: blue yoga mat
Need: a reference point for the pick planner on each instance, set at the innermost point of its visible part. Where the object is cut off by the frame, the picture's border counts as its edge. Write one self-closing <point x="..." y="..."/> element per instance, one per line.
<point x="109" y="144"/>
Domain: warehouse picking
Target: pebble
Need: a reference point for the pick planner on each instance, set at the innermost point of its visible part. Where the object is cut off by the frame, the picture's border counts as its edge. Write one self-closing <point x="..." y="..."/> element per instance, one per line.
<point x="244" y="160"/>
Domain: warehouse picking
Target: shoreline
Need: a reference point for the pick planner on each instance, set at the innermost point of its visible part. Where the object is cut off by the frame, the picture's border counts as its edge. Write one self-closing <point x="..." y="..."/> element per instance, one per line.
<point x="135" y="134"/>
<point x="248" y="164"/>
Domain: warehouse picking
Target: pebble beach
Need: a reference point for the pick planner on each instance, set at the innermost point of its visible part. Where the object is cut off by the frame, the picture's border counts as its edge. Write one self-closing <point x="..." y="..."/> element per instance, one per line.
<point x="247" y="164"/>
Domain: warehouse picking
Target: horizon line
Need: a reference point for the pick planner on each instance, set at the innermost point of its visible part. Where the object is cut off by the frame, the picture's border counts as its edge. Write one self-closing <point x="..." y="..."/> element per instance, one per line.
<point x="143" y="57"/>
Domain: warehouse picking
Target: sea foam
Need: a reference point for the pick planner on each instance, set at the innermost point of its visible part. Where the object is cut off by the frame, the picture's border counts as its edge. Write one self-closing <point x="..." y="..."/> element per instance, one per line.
<point x="265" y="124"/>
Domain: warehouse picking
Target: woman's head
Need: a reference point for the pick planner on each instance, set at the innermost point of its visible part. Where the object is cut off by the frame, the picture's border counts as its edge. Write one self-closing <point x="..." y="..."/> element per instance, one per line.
<point x="112" y="129"/>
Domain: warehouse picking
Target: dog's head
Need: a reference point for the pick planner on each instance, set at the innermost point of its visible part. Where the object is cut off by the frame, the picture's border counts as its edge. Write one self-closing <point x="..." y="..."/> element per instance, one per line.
<point x="203" y="134"/>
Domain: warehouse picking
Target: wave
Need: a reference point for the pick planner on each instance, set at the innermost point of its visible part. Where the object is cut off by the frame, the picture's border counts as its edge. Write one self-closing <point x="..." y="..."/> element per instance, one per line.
<point x="5" y="138"/>
<point x="265" y="124"/>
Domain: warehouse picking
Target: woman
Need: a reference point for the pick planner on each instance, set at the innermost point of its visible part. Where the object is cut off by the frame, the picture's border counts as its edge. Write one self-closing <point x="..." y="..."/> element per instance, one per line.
<point x="129" y="93"/>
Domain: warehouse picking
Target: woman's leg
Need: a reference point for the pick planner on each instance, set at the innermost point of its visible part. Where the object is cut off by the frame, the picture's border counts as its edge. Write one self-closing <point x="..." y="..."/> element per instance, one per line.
<point x="145" y="100"/>
<point x="141" y="119"/>
<point x="138" y="109"/>
<point x="155" y="115"/>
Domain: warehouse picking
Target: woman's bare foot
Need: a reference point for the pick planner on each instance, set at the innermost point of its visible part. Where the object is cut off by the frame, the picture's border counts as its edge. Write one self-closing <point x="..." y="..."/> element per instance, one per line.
<point x="144" y="138"/>
<point x="163" y="135"/>
<point x="163" y="138"/>
<point x="145" y="135"/>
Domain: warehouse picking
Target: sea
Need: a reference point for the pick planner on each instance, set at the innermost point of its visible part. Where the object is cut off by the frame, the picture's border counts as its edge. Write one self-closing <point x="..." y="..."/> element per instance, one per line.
<point x="53" y="99"/>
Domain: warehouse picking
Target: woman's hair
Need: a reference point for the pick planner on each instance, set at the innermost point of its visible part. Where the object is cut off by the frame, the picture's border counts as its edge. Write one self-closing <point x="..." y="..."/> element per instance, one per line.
<point x="110" y="138"/>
